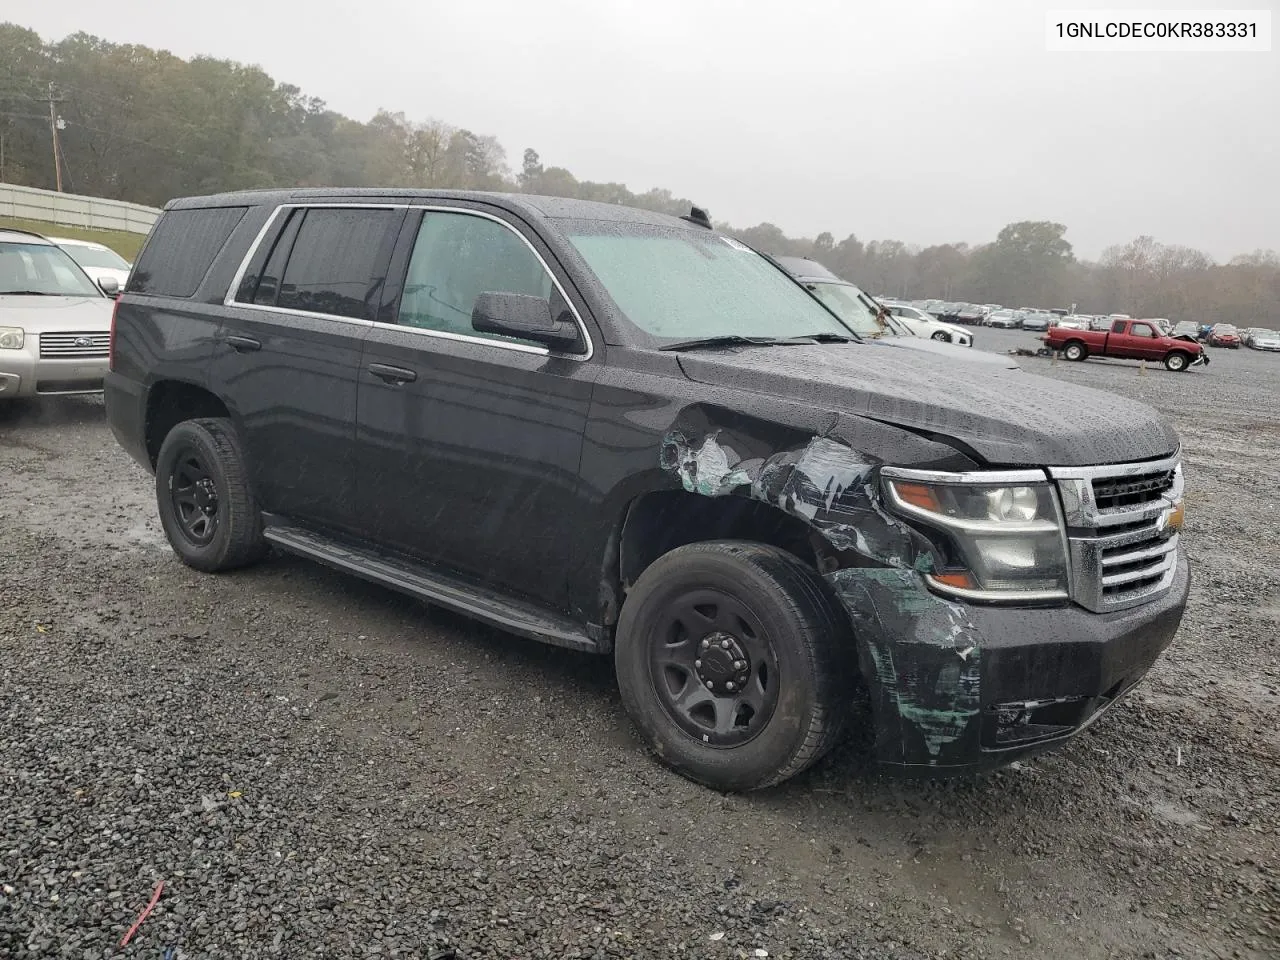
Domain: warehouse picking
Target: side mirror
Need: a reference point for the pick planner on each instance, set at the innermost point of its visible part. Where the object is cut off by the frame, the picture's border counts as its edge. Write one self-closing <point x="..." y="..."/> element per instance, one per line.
<point x="109" y="285"/>
<point x="525" y="317"/>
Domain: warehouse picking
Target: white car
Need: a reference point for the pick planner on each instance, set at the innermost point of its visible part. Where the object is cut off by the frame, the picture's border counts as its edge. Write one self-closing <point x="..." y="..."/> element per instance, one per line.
<point x="1004" y="319"/>
<point x="1074" y="322"/>
<point x="97" y="260"/>
<point x="923" y="325"/>
<point x="55" y="324"/>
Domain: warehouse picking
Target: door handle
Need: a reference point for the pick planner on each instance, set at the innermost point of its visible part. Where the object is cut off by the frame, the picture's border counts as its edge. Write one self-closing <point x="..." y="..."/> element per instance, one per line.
<point x="244" y="344"/>
<point x="395" y="376"/>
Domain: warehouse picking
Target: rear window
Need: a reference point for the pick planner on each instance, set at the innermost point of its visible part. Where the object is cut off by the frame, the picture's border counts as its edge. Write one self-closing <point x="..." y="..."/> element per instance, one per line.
<point x="181" y="249"/>
<point x="332" y="264"/>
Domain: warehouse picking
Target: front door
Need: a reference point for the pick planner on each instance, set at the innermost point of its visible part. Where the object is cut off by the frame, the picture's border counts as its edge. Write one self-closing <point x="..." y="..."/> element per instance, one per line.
<point x="471" y="442"/>
<point x="289" y="353"/>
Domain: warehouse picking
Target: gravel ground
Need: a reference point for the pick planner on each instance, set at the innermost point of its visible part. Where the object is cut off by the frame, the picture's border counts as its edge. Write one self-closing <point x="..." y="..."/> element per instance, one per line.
<point x="317" y="767"/>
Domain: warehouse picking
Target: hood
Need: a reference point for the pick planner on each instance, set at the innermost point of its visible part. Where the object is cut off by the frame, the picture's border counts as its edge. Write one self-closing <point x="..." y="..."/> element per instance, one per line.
<point x="56" y="314"/>
<point x="1008" y="418"/>
<point x="950" y="351"/>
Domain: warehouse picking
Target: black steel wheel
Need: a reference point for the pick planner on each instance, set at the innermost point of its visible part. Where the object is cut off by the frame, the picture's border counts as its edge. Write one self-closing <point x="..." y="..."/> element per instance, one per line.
<point x="736" y="663"/>
<point x="714" y="668"/>
<point x="207" y="508"/>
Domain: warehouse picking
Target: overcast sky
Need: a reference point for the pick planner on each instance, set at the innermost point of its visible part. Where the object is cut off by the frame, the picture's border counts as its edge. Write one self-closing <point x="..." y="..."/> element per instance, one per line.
<point x="926" y="121"/>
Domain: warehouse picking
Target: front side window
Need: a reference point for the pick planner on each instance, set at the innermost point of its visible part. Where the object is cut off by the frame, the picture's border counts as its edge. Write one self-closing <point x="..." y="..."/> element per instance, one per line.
<point x="1141" y="330"/>
<point x="676" y="284"/>
<point x="458" y="256"/>
<point x="41" y="269"/>
<point x="332" y="265"/>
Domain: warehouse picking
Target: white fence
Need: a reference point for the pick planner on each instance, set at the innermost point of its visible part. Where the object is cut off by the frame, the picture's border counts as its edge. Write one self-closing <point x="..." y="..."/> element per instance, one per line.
<point x="71" y="210"/>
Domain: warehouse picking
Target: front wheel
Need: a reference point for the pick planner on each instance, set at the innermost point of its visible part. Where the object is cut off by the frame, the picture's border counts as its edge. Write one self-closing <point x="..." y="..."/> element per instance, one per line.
<point x="941" y="335"/>
<point x="735" y="663"/>
<point x="1176" y="361"/>
<point x="207" y="508"/>
<point x="1075" y="350"/>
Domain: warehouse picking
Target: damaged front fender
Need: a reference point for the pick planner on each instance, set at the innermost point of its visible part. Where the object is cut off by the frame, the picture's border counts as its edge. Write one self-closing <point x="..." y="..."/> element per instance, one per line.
<point x="919" y="653"/>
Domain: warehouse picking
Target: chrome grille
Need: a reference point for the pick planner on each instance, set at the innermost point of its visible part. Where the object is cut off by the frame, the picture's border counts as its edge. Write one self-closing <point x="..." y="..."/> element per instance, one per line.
<point x="73" y="346"/>
<point x="1122" y="550"/>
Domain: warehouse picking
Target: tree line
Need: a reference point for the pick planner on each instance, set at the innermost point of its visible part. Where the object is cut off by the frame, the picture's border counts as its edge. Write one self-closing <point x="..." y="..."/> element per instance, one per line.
<point x="144" y="125"/>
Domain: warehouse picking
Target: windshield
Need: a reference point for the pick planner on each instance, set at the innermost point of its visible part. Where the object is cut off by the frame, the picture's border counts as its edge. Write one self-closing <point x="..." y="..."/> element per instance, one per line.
<point x="96" y="257"/>
<point x="39" y="269"/>
<point x="1226" y="328"/>
<point x="676" y="284"/>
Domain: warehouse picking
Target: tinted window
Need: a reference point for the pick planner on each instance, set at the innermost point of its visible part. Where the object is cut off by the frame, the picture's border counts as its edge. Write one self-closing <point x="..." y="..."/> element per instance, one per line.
<point x="268" y="283"/>
<point x="457" y="257"/>
<point x="181" y="249"/>
<point x="334" y="258"/>
<point x="1118" y="327"/>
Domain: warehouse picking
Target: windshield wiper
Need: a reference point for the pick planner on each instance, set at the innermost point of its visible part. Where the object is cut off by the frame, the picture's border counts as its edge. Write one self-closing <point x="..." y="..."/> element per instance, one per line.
<point x="729" y="340"/>
<point x="822" y="338"/>
<point x="26" y="293"/>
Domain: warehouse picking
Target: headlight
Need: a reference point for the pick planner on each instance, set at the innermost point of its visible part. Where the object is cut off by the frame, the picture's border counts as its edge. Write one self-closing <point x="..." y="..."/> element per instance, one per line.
<point x="11" y="338"/>
<point x="1004" y="531"/>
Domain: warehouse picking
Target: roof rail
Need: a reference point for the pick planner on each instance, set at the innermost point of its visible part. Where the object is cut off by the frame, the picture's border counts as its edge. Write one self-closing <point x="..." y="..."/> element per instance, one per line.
<point x="29" y="233"/>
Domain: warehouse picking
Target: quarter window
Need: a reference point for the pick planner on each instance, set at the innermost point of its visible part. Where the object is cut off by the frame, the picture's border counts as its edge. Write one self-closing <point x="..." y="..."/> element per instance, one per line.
<point x="333" y="262"/>
<point x="456" y="257"/>
<point x="181" y="249"/>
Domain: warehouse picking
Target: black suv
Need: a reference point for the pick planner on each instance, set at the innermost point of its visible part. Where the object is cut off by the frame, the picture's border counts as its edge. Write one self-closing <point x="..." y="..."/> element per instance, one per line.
<point x="629" y="434"/>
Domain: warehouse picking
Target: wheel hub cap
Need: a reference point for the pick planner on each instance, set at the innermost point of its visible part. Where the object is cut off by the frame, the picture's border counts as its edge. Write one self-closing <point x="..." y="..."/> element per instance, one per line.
<point x="723" y="665"/>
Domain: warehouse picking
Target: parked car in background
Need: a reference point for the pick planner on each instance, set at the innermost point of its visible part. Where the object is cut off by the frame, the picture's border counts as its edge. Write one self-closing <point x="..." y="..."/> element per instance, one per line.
<point x="1004" y="319"/>
<point x="1038" y="321"/>
<point x="1074" y="322"/>
<point x="863" y="314"/>
<point x="971" y="314"/>
<point x="1224" y="335"/>
<point x="923" y="325"/>
<point x="1100" y="323"/>
<point x="97" y="260"/>
<point x="55" y="322"/>
<point x="1186" y="328"/>
<point x="1127" y="340"/>
<point x="1258" y="338"/>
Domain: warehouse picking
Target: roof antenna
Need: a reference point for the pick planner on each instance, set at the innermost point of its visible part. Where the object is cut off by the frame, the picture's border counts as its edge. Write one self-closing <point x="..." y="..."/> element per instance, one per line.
<point x="699" y="217"/>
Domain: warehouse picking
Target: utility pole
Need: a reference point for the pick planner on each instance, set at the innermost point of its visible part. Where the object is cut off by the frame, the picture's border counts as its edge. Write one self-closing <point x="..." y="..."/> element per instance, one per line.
<point x="53" y="129"/>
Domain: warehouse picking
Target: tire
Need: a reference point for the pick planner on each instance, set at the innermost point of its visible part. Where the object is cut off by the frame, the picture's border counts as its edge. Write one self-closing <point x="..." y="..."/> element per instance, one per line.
<point x="941" y="335"/>
<point x="1075" y="350"/>
<point x="1176" y="360"/>
<point x="776" y="625"/>
<point x="207" y="509"/>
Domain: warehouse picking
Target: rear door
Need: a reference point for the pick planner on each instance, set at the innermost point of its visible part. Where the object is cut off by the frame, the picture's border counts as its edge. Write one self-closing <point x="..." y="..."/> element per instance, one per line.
<point x="470" y="443"/>
<point x="289" y="348"/>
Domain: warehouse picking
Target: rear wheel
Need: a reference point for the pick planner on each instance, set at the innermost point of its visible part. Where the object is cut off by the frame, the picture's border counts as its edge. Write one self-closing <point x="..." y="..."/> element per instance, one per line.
<point x="207" y="509"/>
<point x="1176" y="361"/>
<point x="1075" y="350"/>
<point x="735" y="663"/>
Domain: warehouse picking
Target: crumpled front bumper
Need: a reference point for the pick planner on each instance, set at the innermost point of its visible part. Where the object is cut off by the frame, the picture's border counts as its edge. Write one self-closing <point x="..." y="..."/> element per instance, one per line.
<point x="958" y="688"/>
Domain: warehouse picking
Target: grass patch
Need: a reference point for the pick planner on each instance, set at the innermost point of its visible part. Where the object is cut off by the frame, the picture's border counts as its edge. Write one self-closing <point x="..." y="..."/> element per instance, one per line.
<point x="123" y="243"/>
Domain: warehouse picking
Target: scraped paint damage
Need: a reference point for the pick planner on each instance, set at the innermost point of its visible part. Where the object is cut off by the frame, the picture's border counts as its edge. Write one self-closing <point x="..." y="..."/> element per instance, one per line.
<point x="921" y="654"/>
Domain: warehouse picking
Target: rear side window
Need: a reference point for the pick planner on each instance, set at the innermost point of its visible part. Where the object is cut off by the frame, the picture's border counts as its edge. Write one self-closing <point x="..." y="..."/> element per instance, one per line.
<point x="181" y="250"/>
<point x="332" y="264"/>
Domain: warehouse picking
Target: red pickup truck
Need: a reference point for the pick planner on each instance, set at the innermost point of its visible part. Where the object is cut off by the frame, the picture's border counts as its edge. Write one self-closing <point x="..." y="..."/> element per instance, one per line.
<point x="1128" y="340"/>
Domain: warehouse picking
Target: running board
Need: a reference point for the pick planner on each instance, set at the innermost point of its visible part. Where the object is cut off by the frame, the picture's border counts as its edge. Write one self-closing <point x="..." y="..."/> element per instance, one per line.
<point x="441" y="590"/>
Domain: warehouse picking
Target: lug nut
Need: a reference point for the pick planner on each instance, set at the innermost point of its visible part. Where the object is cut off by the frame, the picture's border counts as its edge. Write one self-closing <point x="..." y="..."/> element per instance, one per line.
<point x="705" y="644"/>
<point x="738" y="664"/>
<point x="698" y="664"/>
<point x="731" y="686"/>
<point x="710" y="685"/>
<point x="724" y="644"/>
